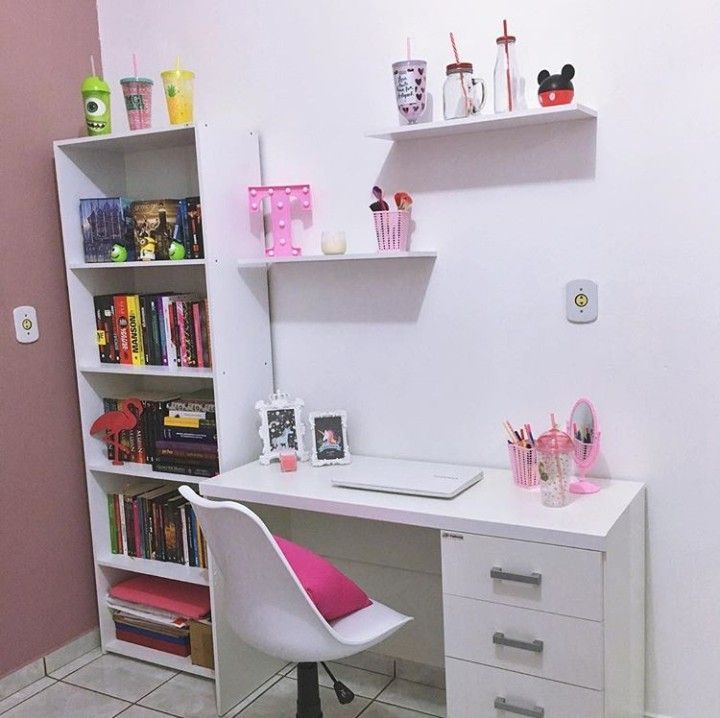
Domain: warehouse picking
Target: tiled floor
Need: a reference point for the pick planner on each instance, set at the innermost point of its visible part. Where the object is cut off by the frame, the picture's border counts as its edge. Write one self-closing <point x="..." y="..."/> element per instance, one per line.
<point x="104" y="686"/>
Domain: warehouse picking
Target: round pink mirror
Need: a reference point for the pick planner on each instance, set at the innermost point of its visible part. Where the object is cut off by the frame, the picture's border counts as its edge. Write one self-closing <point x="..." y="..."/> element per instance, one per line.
<point x="584" y="428"/>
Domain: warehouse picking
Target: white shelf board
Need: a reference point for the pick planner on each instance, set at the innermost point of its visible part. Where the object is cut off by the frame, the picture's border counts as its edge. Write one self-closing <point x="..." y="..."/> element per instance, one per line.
<point x="268" y="261"/>
<point x="169" y="660"/>
<point x="143" y="471"/>
<point x="132" y="265"/>
<point x="149" y="370"/>
<point x="482" y="123"/>
<point x="164" y="569"/>
<point x="132" y="141"/>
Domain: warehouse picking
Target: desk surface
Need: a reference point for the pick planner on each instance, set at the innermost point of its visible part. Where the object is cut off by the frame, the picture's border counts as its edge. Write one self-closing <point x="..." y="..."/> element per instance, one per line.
<point x="494" y="507"/>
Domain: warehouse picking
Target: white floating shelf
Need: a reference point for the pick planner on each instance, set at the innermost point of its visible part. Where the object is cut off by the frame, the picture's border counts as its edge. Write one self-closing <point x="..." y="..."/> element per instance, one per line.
<point x="164" y="569"/>
<point x="482" y="123"/>
<point x="132" y="265"/>
<point x="266" y="261"/>
<point x="142" y="653"/>
<point x="149" y="370"/>
<point x="143" y="471"/>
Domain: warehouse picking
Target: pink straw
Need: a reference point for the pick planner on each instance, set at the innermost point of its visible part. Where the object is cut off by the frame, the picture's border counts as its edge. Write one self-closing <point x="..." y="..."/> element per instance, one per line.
<point x="507" y="64"/>
<point x="92" y="65"/>
<point x="462" y="79"/>
<point x="135" y="65"/>
<point x="408" y="48"/>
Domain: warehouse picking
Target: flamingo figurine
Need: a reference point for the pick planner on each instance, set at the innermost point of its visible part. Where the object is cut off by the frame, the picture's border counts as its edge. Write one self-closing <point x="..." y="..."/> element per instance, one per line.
<point x="113" y="422"/>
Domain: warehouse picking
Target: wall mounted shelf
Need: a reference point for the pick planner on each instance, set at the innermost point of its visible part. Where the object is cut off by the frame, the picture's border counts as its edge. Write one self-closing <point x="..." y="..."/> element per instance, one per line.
<point x="482" y="123"/>
<point x="268" y="262"/>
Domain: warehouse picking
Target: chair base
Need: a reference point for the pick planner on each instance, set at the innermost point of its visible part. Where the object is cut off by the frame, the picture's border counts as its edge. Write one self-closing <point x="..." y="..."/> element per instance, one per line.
<point x="308" y="692"/>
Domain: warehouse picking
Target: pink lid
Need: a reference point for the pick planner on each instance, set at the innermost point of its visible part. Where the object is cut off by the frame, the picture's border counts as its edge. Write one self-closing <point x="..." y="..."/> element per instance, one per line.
<point x="555" y="441"/>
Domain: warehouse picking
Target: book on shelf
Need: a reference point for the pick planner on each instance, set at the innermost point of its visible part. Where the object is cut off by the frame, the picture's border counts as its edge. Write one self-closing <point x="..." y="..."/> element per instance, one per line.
<point x="174" y="434"/>
<point x="154" y="522"/>
<point x="163" y="329"/>
<point x="106" y="224"/>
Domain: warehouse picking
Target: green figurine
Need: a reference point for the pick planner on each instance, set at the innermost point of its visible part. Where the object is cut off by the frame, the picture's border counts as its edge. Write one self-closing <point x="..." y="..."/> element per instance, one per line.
<point x="119" y="253"/>
<point x="96" y="101"/>
<point x="177" y="250"/>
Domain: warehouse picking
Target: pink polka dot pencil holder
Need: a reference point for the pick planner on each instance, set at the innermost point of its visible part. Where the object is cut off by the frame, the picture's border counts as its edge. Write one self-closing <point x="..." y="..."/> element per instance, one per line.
<point x="523" y="463"/>
<point x="392" y="230"/>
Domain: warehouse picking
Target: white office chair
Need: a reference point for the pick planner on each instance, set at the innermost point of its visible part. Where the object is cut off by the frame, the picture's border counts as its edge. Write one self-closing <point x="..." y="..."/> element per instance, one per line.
<point x="270" y="609"/>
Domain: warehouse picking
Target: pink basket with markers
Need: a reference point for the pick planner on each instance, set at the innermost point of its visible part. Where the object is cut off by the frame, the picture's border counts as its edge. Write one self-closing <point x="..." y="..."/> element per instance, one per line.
<point x="392" y="227"/>
<point x="523" y="457"/>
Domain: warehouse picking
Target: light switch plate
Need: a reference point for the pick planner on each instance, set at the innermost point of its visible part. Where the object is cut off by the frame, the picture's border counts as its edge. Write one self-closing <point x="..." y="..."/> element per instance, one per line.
<point x="26" y="325"/>
<point x="581" y="301"/>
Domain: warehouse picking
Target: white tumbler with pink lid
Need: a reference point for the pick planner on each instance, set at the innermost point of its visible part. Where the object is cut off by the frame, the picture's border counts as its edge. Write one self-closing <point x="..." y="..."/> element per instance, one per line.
<point x="555" y="455"/>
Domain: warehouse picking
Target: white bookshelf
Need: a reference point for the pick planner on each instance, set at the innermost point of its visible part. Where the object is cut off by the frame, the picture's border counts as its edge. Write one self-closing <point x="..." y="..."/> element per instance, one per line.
<point x="217" y="162"/>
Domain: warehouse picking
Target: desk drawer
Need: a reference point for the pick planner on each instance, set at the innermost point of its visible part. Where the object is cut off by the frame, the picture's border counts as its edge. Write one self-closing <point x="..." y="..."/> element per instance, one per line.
<point x="472" y="692"/>
<point x="517" y="639"/>
<point x="561" y="580"/>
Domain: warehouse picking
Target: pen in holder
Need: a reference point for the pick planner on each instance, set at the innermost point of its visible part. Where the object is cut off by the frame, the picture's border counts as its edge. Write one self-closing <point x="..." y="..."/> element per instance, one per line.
<point x="523" y="462"/>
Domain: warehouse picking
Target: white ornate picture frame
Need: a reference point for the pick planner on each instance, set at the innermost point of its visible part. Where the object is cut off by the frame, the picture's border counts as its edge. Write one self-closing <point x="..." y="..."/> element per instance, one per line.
<point x="328" y="442"/>
<point x="281" y="427"/>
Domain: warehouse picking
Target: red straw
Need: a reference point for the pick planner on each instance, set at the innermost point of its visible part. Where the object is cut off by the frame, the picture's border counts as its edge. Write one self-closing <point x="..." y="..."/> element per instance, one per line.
<point x="507" y="64"/>
<point x="462" y="79"/>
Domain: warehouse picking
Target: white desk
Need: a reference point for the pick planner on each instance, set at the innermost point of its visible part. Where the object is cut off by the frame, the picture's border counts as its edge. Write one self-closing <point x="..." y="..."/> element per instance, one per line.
<point x="587" y="609"/>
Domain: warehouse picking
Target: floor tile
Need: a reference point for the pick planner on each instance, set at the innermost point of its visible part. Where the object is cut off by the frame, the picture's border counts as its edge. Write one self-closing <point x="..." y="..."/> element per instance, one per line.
<point x="25" y="693"/>
<point x="120" y="677"/>
<point x="140" y="712"/>
<point x="360" y="682"/>
<point x="64" y="701"/>
<point x="71" y="667"/>
<point x="280" y="702"/>
<point x="252" y="697"/>
<point x="70" y="651"/>
<point x="383" y="710"/>
<point x="22" y="678"/>
<point x="186" y="696"/>
<point x="415" y="696"/>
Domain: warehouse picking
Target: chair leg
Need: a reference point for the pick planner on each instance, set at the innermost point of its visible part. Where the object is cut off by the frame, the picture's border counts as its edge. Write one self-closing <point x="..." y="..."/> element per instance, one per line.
<point x="308" y="694"/>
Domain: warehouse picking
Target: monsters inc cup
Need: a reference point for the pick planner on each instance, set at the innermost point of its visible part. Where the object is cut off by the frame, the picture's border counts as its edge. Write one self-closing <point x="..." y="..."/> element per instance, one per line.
<point x="96" y="100"/>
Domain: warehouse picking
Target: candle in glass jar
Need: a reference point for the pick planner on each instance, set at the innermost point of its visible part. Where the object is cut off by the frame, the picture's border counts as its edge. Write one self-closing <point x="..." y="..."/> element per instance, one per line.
<point x="333" y="243"/>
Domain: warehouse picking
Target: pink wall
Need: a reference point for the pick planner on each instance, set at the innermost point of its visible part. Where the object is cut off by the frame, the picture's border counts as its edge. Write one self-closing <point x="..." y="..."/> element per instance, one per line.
<point x="46" y="580"/>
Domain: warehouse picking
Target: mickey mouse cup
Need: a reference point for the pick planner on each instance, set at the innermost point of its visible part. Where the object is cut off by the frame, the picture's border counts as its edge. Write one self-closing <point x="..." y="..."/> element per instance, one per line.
<point x="556" y="89"/>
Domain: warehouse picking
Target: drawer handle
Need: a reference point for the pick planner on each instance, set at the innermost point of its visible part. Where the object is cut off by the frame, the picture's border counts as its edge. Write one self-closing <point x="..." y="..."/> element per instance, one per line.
<point x="534" y="647"/>
<point x="534" y="578"/>
<point x="502" y="705"/>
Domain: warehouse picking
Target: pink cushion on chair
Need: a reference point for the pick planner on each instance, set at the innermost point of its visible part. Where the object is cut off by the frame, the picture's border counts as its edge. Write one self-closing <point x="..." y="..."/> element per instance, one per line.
<point x="332" y="592"/>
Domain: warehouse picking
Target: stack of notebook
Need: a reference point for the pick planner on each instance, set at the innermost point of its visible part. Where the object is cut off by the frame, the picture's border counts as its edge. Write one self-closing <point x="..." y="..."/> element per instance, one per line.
<point x="156" y="612"/>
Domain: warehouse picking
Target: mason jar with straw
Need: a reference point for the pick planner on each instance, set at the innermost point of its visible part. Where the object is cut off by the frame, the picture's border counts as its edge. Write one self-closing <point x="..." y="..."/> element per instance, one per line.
<point x="555" y="451"/>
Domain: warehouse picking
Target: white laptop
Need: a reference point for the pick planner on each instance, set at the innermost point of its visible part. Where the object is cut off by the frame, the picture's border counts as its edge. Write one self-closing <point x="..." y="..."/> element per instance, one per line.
<point x="417" y="478"/>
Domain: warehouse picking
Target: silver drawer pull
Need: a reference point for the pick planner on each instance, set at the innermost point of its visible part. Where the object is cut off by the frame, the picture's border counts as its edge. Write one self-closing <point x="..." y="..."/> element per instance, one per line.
<point x="502" y="705"/>
<point x="500" y="640"/>
<point x="534" y="578"/>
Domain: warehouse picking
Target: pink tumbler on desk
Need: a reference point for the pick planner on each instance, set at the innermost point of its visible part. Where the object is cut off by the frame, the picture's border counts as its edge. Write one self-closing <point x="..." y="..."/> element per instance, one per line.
<point x="555" y="454"/>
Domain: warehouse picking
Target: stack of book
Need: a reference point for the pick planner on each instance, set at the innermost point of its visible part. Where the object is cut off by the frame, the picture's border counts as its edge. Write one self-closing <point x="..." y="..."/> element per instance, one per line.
<point x="156" y="329"/>
<point x="188" y="437"/>
<point x="175" y="434"/>
<point x="154" y="521"/>
<point x="156" y="612"/>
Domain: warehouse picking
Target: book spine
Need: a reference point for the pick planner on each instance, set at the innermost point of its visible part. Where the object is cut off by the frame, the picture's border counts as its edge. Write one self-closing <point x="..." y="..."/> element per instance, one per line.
<point x="134" y="322"/>
<point x="123" y="528"/>
<point x="189" y="435"/>
<point x="128" y="512"/>
<point x="205" y="332"/>
<point x="113" y="329"/>
<point x="197" y="335"/>
<point x="188" y="422"/>
<point x="169" y="343"/>
<point x="137" y="528"/>
<point x="121" y="314"/>
<point x="111" y="516"/>
<point x="158" y="331"/>
<point x="189" y="327"/>
<point x="183" y="522"/>
<point x="199" y="447"/>
<point x="182" y="337"/>
<point x="190" y="536"/>
<point x="145" y="328"/>
<point x="169" y="467"/>
<point x="101" y="336"/>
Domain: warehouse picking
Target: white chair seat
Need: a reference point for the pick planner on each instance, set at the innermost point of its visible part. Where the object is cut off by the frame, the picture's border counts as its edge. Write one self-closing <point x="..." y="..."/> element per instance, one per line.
<point x="368" y="626"/>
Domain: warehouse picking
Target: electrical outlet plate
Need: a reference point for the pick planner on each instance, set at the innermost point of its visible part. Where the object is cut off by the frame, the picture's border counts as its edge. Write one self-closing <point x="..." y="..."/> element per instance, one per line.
<point x="581" y="301"/>
<point x="26" y="325"/>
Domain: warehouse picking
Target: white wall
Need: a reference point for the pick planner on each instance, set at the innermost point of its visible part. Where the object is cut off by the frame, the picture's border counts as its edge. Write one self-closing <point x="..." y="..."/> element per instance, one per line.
<point x="429" y="360"/>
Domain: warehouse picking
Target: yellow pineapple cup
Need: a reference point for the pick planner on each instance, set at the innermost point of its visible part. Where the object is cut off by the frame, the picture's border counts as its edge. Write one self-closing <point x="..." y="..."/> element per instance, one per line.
<point x="179" y="95"/>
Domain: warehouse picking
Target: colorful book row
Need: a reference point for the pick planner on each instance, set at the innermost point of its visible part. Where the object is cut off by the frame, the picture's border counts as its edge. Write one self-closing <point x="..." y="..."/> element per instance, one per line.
<point x="155" y="522"/>
<point x="153" y="329"/>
